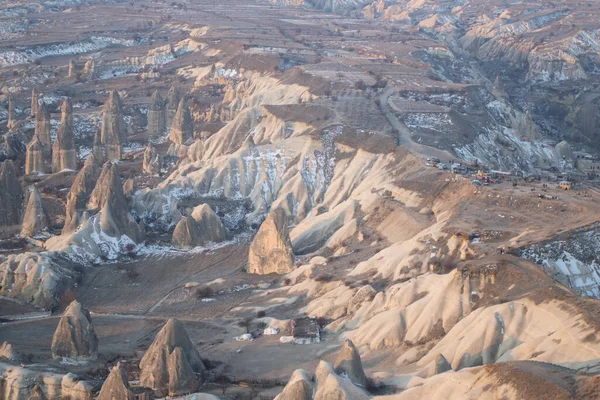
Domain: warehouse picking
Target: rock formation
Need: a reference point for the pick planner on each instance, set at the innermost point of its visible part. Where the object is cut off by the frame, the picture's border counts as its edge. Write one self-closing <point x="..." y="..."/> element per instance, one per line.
<point x="11" y="195"/>
<point x="89" y="70"/>
<point x="170" y="364"/>
<point x="116" y="386"/>
<point x="7" y="352"/>
<point x="108" y="197"/>
<point x="74" y="337"/>
<point x="201" y="227"/>
<point x="156" y="116"/>
<point x="34" y="101"/>
<point x="182" y="127"/>
<point x="172" y="104"/>
<point x="113" y="130"/>
<point x="79" y="194"/>
<point x="71" y="69"/>
<point x="563" y="151"/>
<point x="152" y="161"/>
<point x="299" y="387"/>
<point x="37" y="393"/>
<point x="271" y="249"/>
<point x="12" y="116"/>
<point x="13" y="146"/>
<point x="441" y="365"/>
<point x="43" y="127"/>
<point x="348" y="362"/>
<point x="64" y="155"/>
<point x="35" y="220"/>
<point x="98" y="149"/>
<point x="34" y="157"/>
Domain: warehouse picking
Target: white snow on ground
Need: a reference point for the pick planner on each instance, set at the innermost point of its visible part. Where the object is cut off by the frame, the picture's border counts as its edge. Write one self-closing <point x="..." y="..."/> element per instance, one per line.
<point x="94" y="43"/>
<point x="434" y="121"/>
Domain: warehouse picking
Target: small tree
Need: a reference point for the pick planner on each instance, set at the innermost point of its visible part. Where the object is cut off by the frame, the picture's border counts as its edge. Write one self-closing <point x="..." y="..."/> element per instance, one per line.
<point x="245" y="323"/>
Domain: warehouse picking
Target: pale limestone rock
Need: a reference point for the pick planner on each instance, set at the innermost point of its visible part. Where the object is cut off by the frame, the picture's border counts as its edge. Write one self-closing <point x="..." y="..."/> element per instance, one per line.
<point x="75" y="337"/>
<point x="64" y="154"/>
<point x="348" y="362"/>
<point x="34" y="157"/>
<point x="79" y="194"/>
<point x="116" y="386"/>
<point x="201" y="227"/>
<point x="35" y="220"/>
<point x="173" y="98"/>
<point x="182" y="127"/>
<point x="171" y="362"/>
<point x="112" y="133"/>
<point x="271" y="249"/>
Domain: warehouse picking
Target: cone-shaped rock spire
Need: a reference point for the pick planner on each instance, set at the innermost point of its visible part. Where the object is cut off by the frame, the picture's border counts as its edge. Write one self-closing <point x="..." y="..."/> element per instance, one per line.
<point x="201" y="227"/>
<point x="348" y="362"/>
<point x="299" y="387"/>
<point x="74" y="337"/>
<point x="156" y="116"/>
<point x="116" y="386"/>
<point x="72" y="72"/>
<point x="64" y="155"/>
<point x="271" y="250"/>
<point x="182" y="127"/>
<point x="37" y="393"/>
<point x="152" y="161"/>
<point x="79" y="194"/>
<point x="11" y="195"/>
<point x="35" y="220"/>
<point x="173" y="98"/>
<point x="12" y="116"/>
<point x="43" y="127"/>
<point x="171" y="362"/>
<point x="113" y="130"/>
<point x="34" y="157"/>
<point x="34" y="101"/>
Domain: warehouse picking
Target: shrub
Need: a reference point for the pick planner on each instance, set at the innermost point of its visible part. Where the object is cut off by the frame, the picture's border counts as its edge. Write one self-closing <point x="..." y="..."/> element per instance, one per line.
<point x="324" y="277"/>
<point x="204" y="292"/>
<point x="132" y="273"/>
<point x="261" y="314"/>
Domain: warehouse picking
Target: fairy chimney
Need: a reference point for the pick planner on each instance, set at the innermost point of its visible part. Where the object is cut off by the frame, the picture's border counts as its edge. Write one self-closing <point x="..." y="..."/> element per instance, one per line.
<point x="172" y="104"/>
<point x="35" y="220"/>
<point x="75" y="337"/>
<point x="34" y="101"/>
<point x="11" y="195"/>
<point x="182" y="127"/>
<point x="64" y="155"/>
<point x="34" y="157"/>
<point x="156" y="116"/>
<point x="113" y="129"/>
<point x="43" y="127"/>
<point x="79" y="194"/>
<point x="271" y="250"/>
<point x="12" y="116"/>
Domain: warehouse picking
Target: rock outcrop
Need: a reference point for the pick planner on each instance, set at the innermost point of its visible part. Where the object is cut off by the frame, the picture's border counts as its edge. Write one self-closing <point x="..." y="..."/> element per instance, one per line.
<point x="563" y="151"/>
<point x="7" y="352"/>
<point x="11" y="195"/>
<point x="79" y="194"/>
<point x="271" y="250"/>
<point x="34" y="278"/>
<point x="348" y="362"/>
<point x="108" y="197"/>
<point x="201" y="227"/>
<point x="171" y="364"/>
<point x="152" y="162"/>
<point x="74" y="337"/>
<point x="37" y="393"/>
<point x="64" y="155"/>
<point x="299" y="387"/>
<point x="182" y="127"/>
<point x="116" y="386"/>
<point x="35" y="220"/>
<point x="98" y="150"/>
<point x="89" y="70"/>
<point x="13" y="146"/>
<point x="34" y="101"/>
<point x="12" y="116"/>
<point x="156" y="116"/>
<point x="112" y="133"/>
<point x="34" y="157"/>
<point x="441" y="365"/>
<point x="173" y="98"/>
<point x="43" y="127"/>
<point x="71" y="69"/>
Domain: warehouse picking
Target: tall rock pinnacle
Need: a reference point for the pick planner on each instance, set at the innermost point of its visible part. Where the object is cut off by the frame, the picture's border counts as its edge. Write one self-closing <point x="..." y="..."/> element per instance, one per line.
<point x="35" y="157"/>
<point x="42" y="127"/>
<point x="11" y="195"/>
<point x="271" y="250"/>
<point x="113" y="130"/>
<point x="35" y="219"/>
<point x="172" y="103"/>
<point x="34" y="101"/>
<point x="156" y="116"/>
<point x="12" y="116"/>
<point x="79" y="194"/>
<point x="75" y="337"/>
<point x="64" y="155"/>
<point x="182" y="127"/>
